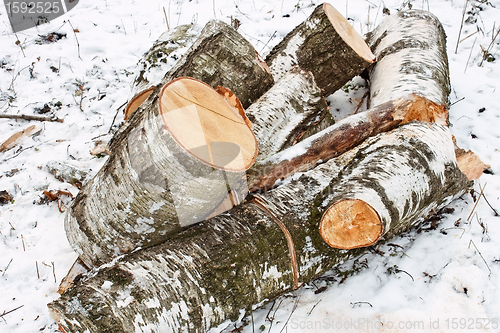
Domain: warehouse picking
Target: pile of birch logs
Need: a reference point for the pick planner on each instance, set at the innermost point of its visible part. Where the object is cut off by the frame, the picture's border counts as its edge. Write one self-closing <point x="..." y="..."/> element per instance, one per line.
<point x="230" y="184"/>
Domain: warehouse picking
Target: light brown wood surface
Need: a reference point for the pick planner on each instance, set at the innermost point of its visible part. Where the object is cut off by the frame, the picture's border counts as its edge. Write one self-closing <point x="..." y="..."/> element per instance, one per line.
<point x="206" y="125"/>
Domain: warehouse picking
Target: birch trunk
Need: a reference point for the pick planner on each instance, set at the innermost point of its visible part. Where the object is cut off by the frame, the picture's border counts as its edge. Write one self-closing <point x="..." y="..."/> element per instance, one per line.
<point x="341" y="137"/>
<point x="222" y="57"/>
<point x="266" y="246"/>
<point x="158" y="60"/>
<point x="292" y="106"/>
<point x="410" y="47"/>
<point x="170" y="166"/>
<point x="326" y="45"/>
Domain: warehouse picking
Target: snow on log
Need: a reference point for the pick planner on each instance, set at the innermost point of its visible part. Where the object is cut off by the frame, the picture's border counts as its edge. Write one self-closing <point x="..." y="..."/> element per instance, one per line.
<point x="410" y="47"/>
<point x="340" y="137"/>
<point x="158" y="60"/>
<point x="170" y="166"/>
<point x="268" y="245"/>
<point x="326" y="45"/>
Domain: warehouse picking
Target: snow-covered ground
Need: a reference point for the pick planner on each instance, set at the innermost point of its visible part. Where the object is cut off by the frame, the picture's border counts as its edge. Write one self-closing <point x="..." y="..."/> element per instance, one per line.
<point x="440" y="280"/>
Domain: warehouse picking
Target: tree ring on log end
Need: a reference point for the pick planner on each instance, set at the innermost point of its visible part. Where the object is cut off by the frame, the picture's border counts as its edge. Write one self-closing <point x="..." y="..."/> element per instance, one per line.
<point x="137" y="101"/>
<point x="206" y="125"/>
<point x="347" y="33"/>
<point x="350" y="224"/>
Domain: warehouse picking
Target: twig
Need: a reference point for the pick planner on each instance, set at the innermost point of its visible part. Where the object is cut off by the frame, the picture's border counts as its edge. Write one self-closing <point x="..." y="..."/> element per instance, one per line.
<point x="482" y="190"/>
<point x="400" y="270"/>
<point x="17" y="154"/>
<point x="180" y="13"/>
<point x="472" y="34"/>
<point x="7" y="267"/>
<point x="313" y="307"/>
<point x="488" y="49"/>
<point x="22" y="240"/>
<point x="6" y="313"/>
<point x="272" y="36"/>
<point x="461" y="25"/>
<point x="461" y="99"/>
<point x="37" y="270"/>
<point x="463" y="230"/>
<point x="485" y="229"/>
<point x="361" y="102"/>
<point x="166" y="18"/>
<point x="123" y="25"/>
<point x="18" y="42"/>
<point x="494" y="210"/>
<point x="472" y="48"/>
<point x="116" y="114"/>
<point x="353" y="304"/>
<point x="28" y="117"/>
<point x="77" y="43"/>
<point x="291" y="313"/>
<point x="54" y="271"/>
<point x="471" y="241"/>
<point x="274" y="314"/>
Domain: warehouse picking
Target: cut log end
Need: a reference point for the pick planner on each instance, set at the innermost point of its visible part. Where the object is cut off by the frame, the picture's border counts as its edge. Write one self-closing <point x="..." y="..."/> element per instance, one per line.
<point x="207" y="125"/>
<point x="348" y="34"/>
<point x="470" y="164"/>
<point x="137" y="101"/>
<point x="350" y="224"/>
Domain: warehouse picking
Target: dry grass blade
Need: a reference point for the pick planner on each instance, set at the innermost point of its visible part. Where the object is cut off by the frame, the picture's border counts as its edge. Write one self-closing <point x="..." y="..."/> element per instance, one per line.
<point x="475" y="205"/>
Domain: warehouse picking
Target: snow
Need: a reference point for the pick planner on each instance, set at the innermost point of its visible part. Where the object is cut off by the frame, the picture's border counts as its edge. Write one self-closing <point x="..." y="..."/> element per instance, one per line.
<point x="444" y="279"/>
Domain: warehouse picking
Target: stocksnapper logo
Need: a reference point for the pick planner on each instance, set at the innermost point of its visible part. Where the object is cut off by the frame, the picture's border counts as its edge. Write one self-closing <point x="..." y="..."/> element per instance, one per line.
<point x="28" y="14"/>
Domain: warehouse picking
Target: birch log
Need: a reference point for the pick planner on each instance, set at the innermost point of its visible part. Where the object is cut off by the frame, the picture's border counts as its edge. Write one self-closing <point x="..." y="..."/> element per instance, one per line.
<point x="153" y="65"/>
<point x="170" y="167"/>
<point x="266" y="246"/>
<point x="326" y="45"/>
<point x="292" y="106"/>
<point x="341" y="137"/>
<point x="410" y="47"/>
<point x="222" y="57"/>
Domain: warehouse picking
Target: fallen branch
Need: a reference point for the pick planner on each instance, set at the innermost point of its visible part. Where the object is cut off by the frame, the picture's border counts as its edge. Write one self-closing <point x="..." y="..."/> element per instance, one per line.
<point x="28" y="117"/>
<point x="7" y="312"/>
